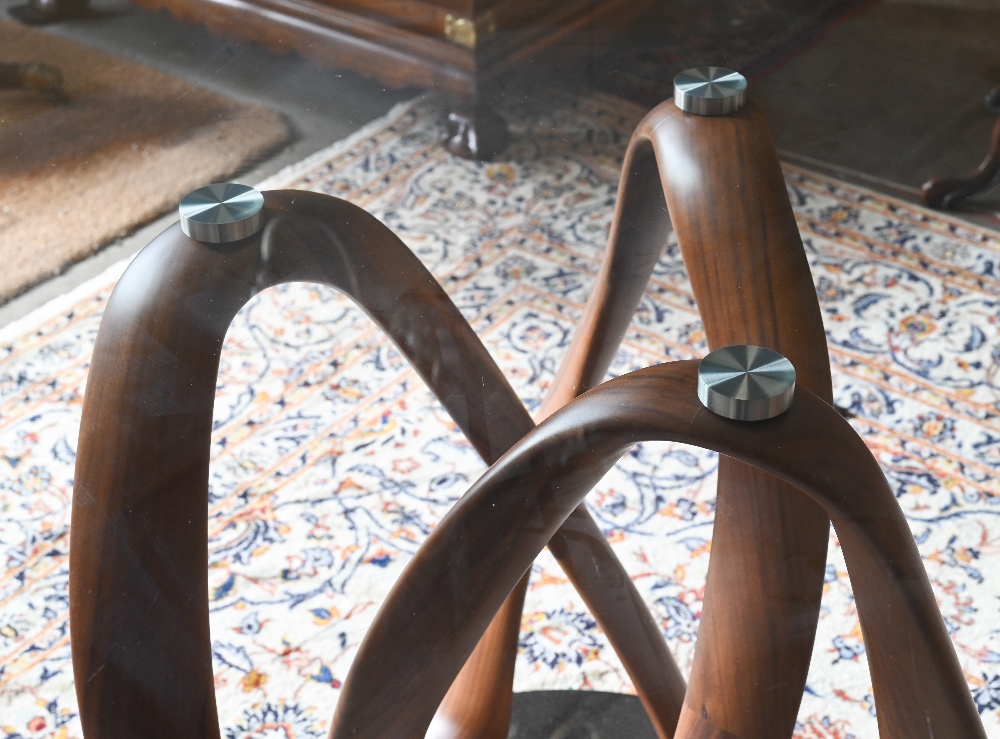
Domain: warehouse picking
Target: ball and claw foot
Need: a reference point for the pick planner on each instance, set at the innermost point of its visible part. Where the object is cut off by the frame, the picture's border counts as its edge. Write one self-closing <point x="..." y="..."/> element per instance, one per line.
<point x="40" y="12"/>
<point x="479" y="135"/>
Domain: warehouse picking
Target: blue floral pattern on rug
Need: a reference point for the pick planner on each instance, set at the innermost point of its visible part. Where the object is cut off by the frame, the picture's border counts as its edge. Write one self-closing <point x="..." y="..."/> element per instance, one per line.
<point x="331" y="461"/>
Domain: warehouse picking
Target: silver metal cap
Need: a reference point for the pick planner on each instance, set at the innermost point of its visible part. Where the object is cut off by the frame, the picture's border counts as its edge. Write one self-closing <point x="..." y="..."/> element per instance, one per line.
<point x="710" y="90"/>
<point x="222" y="212"/>
<point x="746" y="383"/>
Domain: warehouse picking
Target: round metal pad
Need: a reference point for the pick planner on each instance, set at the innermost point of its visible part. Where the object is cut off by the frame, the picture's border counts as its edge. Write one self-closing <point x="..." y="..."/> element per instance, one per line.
<point x="710" y="90"/>
<point x="222" y="212"/>
<point x="746" y="383"/>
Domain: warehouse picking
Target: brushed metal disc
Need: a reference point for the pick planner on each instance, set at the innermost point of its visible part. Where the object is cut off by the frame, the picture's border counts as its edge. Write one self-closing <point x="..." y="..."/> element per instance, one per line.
<point x="746" y="382"/>
<point x="222" y="212"/>
<point x="710" y="90"/>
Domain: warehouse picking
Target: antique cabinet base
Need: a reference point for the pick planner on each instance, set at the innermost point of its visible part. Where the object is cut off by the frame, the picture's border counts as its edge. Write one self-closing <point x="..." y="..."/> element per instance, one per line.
<point x="463" y="48"/>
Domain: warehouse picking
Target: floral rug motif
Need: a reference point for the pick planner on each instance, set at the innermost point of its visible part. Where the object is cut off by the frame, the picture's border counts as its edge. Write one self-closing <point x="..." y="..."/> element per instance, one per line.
<point x="331" y="460"/>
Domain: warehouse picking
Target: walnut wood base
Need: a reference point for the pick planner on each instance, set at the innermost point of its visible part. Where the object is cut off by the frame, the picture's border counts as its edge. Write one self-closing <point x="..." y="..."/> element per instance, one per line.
<point x="146" y="427"/>
<point x="457" y="580"/>
<point x="718" y="182"/>
<point x="40" y="12"/>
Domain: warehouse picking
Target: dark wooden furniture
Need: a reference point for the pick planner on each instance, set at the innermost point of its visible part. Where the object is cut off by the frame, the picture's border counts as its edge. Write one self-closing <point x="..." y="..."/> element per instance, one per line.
<point x="464" y="48"/>
<point x="448" y="592"/>
<point x="945" y="192"/>
<point x="138" y="557"/>
<point x="752" y="284"/>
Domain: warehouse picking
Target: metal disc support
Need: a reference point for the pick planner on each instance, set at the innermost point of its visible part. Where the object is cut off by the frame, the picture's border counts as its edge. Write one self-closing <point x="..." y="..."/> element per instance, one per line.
<point x="746" y="382"/>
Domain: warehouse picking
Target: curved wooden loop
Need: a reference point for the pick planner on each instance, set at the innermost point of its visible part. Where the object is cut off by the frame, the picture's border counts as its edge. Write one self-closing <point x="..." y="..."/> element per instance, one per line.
<point x="718" y="182"/>
<point x="457" y="581"/>
<point x="945" y="192"/>
<point x="138" y="557"/>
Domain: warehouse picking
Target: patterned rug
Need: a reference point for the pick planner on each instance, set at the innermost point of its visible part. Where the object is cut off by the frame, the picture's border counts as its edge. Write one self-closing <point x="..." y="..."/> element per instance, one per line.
<point x="332" y="461"/>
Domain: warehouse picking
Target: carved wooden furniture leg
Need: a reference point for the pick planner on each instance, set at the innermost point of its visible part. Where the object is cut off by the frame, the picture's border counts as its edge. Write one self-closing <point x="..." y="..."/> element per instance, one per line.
<point x="450" y="590"/>
<point x="138" y="558"/>
<point x="944" y="192"/>
<point x="725" y="196"/>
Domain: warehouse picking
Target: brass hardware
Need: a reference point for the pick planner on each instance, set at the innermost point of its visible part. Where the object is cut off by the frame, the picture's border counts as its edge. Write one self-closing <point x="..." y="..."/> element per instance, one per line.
<point x="466" y="32"/>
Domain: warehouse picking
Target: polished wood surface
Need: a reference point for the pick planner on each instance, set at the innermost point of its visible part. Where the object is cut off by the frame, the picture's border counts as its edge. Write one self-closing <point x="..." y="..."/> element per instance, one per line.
<point x="478" y="134"/>
<point x="11" y="76"/>
<point x="138" y="556"/>
<point x="43" y="78"/>
<point x="718" y="182"/>
<point x="582" y="550"/>
<point x="48" y="11"/>
<point x="451" y="589"/>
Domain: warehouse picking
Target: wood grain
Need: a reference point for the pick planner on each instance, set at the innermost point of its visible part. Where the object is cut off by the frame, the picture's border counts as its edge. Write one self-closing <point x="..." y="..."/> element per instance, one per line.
<point x="138" y="556"/>
<point x="718" y="182"/>
<point x="454" y="585"/>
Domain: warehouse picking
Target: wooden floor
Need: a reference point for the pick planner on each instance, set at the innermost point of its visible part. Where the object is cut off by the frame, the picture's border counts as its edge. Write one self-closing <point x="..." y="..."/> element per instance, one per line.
<point x="893" y="95"/>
